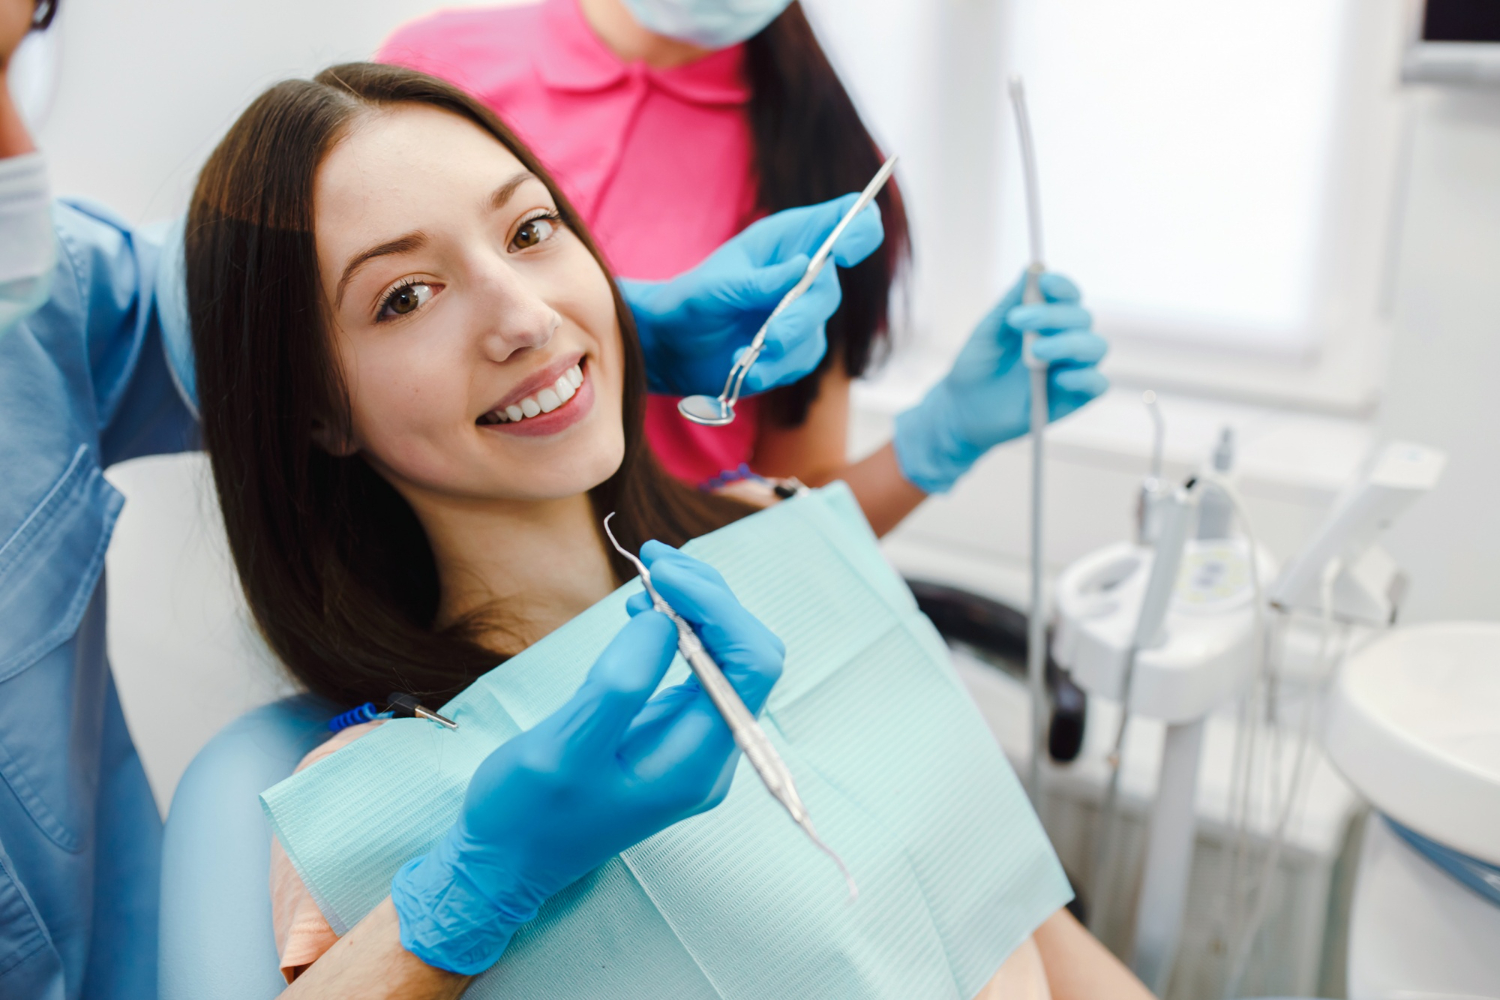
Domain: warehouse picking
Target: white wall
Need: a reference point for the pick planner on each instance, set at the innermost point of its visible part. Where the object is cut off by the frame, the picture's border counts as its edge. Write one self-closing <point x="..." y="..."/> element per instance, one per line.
<point x="1444" y="382"/>
<point x="147" y="86"/>
<point x="186" y="657"/>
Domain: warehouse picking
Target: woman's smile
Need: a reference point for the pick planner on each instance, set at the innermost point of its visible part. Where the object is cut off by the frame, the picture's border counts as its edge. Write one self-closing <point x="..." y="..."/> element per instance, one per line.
<point x="552" y="400"/>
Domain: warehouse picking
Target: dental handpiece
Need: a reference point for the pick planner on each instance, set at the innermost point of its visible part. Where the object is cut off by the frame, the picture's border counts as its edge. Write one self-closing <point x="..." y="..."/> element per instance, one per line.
<point x="748" y="734"/>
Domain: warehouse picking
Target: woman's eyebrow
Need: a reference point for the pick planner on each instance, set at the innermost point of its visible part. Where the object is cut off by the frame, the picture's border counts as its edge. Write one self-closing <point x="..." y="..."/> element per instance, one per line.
<point x="401" y="244"/>
<point x="501" y="194"/>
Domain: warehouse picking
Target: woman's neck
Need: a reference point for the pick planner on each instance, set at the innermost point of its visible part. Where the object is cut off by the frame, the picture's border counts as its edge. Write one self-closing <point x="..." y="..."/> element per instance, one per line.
<point x="622" y="33"/>
<point x="525" y="569"/>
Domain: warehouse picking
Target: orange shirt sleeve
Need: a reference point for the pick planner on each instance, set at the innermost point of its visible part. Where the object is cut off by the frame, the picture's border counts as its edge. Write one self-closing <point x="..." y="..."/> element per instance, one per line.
<point x="302" y="932"/>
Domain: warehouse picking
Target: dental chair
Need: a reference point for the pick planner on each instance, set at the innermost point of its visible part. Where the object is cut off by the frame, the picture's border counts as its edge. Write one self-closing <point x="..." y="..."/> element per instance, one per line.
<point x="216" y="940"/>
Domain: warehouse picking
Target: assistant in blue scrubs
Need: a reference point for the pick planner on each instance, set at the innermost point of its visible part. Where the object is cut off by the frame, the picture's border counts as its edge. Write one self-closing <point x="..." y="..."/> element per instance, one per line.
<point x="84" y="383"/>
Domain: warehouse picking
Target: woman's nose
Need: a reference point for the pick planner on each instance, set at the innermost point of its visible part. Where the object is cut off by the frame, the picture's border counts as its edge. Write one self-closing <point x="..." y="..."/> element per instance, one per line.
<point x="513" y="316"/>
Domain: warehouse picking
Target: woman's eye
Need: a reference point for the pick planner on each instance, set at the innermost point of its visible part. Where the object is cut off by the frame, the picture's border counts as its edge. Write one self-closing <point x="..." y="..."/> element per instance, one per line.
<point x="534" y="231"/>
<point x="405" y="299"/>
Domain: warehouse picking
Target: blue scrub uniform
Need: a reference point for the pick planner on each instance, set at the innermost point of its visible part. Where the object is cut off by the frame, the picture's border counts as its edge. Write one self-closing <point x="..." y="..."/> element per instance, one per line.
<point x="84" y="382"/>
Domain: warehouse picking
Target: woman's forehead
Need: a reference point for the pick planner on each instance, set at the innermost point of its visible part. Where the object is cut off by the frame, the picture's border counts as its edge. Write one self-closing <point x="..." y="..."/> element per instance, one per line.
<point x="399" y="165"/>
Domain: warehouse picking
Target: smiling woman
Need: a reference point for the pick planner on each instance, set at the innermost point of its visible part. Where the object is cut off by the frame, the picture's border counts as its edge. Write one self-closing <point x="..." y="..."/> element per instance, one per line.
<point x="420" y="393"/>
<point x="420" y="389"/>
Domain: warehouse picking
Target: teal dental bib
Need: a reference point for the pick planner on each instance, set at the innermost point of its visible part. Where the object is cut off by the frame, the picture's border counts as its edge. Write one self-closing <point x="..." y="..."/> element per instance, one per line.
<point x="891" y="757"/>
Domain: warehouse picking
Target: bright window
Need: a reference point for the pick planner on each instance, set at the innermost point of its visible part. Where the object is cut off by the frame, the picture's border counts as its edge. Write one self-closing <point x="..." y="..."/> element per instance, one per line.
<point x="1218" y="177"/>
<point x="1185" y="154"/>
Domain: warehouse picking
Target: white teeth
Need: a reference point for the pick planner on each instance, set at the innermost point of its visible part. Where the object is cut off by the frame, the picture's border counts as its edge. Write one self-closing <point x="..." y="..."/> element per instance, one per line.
<point x="545" y="401"/>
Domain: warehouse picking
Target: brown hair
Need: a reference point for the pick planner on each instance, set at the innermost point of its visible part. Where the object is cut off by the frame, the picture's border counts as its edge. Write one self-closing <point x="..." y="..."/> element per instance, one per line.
<point x="336" y="568"/>
<point x="810" y="146"/>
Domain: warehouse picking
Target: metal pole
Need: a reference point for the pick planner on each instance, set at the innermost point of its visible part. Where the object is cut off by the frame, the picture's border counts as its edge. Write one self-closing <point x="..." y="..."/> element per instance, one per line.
<point x="1036" y="623"/>
<point x="1169" y="857"/>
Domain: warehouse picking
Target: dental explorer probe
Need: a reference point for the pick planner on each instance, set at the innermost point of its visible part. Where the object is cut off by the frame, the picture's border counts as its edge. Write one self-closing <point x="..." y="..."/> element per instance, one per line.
<point x="1031" y="294"/>
<point x="748" y="735"/>
<point x="718" y="411"/>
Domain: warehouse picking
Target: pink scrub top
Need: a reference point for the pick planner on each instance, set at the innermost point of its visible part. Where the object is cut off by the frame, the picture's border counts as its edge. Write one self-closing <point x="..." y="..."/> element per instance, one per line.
<point x="658" y="162"/>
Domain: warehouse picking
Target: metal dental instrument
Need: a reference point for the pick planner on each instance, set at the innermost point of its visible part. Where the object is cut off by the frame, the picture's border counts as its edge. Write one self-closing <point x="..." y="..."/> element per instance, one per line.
<point x="718" y="411"/>
<point x="748" y="734"/>
<point x="405" y="705"/>
<point x="1036" y="622"/>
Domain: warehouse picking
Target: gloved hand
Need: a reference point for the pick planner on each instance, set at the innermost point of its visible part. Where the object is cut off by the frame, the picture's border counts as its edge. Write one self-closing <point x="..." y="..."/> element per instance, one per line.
<point x="695" y="326"/>
<point x="607" y="770"/>
<point x="985" y="398"/>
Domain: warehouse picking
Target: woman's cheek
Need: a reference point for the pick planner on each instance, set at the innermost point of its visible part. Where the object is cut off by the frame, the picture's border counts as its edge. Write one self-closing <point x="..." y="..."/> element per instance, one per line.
<point x="576" y="286"/>
<point x="401" y="411"/>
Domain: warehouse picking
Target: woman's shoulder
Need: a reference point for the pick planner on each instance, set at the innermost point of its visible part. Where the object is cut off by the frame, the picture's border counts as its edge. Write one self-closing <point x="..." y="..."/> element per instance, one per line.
<point x="476" y="49"/>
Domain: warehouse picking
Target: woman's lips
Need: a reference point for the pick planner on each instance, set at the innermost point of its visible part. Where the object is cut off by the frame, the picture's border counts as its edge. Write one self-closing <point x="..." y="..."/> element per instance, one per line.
<point x="549" y="410"/>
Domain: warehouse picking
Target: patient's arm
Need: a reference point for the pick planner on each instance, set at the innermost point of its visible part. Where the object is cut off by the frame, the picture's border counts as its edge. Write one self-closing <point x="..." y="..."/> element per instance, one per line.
<point x="370" y="963"/>
<point x="1022" y="977"/>
<point x="1079" y="967"/>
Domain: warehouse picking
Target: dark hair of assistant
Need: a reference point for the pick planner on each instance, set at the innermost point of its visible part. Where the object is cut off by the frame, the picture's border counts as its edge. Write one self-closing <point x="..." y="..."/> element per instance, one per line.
<point x="335" y="566"/>
<point x="42" y="14"/>
<point x="810" y="146"/>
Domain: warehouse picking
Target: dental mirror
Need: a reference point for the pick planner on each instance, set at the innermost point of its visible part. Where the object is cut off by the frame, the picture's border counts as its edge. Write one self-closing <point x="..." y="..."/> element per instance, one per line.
<point x="718" y="411"/>
<point x="710" y="411"/>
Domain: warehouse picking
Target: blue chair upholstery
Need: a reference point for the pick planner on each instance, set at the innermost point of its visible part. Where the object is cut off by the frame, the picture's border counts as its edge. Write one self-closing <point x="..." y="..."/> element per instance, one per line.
<point x="216" y="939"/>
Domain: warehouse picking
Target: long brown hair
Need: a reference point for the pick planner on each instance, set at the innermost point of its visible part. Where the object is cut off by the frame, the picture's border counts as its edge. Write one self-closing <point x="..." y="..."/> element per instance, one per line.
<point x="334" y="563"/>
<point x="810" y="145"/>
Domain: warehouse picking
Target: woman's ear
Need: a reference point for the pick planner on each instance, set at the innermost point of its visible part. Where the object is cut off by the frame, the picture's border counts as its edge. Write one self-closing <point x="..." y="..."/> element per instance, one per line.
<point x="332" y="438"/>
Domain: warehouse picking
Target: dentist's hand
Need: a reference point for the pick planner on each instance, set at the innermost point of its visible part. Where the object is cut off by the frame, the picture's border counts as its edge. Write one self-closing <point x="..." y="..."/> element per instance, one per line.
<point x="607" y="770"/>
<point x="985" y="398"/>
<point x="696" y="325"/>
<point x="739" y="643"/>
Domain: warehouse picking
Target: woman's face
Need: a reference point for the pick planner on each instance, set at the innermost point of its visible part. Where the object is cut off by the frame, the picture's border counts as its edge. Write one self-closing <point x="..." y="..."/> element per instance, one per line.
<point x="476" y="334"/>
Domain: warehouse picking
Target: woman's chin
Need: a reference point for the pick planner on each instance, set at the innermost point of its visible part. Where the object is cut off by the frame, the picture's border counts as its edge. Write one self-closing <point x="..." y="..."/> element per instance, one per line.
<point x="575" y="469"/>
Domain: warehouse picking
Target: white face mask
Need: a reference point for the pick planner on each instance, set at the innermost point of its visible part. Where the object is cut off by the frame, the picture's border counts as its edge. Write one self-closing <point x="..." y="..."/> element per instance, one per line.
<point x="713" y="24"/>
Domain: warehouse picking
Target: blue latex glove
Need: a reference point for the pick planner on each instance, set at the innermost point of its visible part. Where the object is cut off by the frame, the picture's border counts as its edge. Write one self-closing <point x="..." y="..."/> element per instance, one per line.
<point x="695" y="326"/>
<point x="985" y="398"/>
<point x="607" y="770"/>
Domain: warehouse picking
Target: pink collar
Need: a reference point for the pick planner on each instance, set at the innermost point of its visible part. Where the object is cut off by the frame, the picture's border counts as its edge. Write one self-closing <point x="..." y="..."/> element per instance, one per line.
<point x="577" y="61"/>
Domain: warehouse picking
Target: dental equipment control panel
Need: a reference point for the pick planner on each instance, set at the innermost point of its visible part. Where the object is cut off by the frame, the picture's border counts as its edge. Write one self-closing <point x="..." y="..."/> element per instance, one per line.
<point x="1202" y="654"/>
<point x="1173" y="625"/>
